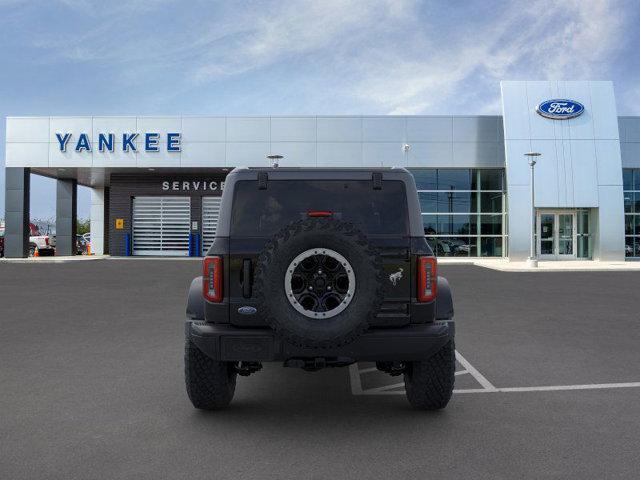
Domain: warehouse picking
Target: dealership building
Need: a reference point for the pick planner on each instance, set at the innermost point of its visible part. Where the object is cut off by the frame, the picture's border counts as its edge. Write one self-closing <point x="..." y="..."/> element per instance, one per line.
<point x="156" y="182"/>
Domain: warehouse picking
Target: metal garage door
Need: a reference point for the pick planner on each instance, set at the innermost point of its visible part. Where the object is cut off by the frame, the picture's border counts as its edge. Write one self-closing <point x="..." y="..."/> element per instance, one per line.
<point x="161" y="225"/>
<point x="210" y="214"/>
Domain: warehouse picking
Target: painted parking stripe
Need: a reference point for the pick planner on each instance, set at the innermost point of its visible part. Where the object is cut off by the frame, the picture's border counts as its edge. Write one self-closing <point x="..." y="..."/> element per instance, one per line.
<point x="487" y="386"/>
<point x="355" y="373"/>
<point x="554" y="388"/>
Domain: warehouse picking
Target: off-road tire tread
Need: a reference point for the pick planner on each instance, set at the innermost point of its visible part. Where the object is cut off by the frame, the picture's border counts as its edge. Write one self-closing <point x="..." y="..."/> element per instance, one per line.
<point x="272" y="249"/>
<point x="210" y="384"/>
<point x="429" y="384"/>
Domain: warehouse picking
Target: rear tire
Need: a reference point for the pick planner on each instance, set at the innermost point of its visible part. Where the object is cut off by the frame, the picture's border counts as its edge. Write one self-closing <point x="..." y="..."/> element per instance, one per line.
<point x="210" y="384"/>
<point x="429" y="384"/>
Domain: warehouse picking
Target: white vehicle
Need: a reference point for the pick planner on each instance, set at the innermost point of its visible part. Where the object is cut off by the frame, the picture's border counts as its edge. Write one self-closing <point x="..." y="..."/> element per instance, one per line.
<point x="44" y="243"/>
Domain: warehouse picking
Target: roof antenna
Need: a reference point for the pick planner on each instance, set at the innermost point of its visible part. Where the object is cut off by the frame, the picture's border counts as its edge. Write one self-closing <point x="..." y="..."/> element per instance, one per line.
<point x="275" y="160"/>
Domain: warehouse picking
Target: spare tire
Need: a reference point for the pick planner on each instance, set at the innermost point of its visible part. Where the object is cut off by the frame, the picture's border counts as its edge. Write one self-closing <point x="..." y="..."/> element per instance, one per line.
<point x="318" y="282"/>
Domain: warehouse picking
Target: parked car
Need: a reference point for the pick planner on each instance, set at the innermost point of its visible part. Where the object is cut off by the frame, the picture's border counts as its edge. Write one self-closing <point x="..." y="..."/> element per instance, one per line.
<point x="320" y="268"/>
<point x="43" y="243"/>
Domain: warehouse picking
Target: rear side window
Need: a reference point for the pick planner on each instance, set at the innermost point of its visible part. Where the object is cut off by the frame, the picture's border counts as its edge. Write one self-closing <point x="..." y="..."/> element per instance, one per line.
<point x="258" y="213"/>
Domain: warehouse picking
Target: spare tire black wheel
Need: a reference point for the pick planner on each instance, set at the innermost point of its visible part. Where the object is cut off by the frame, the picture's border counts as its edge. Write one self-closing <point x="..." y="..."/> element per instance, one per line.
<point x="318" y="282"/>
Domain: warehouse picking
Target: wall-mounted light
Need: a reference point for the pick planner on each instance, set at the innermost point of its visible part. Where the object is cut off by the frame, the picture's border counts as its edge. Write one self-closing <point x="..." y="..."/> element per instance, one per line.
<point x="275" y="160"/>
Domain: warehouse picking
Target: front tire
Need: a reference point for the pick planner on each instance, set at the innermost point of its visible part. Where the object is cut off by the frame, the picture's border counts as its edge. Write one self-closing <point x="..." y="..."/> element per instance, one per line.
<point x="429" y="384"/>
<point x="210" y="384"/>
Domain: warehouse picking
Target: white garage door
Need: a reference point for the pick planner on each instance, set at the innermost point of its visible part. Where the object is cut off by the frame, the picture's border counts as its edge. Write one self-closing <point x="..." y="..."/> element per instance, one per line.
<point x="161" y="225"/>
<point x="210" y="214"/>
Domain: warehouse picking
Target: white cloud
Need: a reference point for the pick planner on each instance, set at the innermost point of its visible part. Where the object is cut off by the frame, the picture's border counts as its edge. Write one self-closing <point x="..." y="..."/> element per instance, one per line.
<point x="544" y="40"/>
<point x="393" y="56"/>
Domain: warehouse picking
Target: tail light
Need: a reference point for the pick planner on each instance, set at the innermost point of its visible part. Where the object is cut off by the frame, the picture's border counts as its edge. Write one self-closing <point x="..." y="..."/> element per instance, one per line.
<point x="212" y="279"/>
<point x="46" y="241"/>
<point x="319" y="213"/>
<point x="427" y="279"/>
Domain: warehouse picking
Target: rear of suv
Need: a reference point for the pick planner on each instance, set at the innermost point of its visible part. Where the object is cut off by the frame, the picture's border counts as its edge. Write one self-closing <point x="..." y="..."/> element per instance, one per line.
<point x="319" y="268"/>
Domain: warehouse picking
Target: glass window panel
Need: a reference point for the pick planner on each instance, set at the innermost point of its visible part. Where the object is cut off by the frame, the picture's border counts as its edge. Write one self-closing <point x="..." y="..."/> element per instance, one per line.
<point x="491" y="246"/>
<point x="455" y="246"/>
<point x="475" y="179"/>
<point x="426" y="179"/>
<point x="627" y="178"/>
<point x="629" y="224"/>
<point x="452" y="211"/>
<point x="473" y="247"/>
<point x="491" y="202"/>
<point x="454" y="179"/>
<point x="636" y="179"/>
<point x="457" y="224"/>
<point x="636" y="202"/>
<point x="636" y="229"/>
<point x="491" y="179"/>
<point x="628" y="202"/>
<point x="491" y="224"/>
<point x="583" y="222"/>
<point x="428" y="202"/>
<point x="628" y="247"/>
<point x="583" y="246"/>
<point x="264" y="212"/>
<point x="458" y="202"/>
<point x="433" y="244"/>
<point x="430" y="224"/>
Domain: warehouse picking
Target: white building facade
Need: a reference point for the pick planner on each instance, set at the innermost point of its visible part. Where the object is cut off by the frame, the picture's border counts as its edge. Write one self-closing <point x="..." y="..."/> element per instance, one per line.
<point x="156" y="181"/>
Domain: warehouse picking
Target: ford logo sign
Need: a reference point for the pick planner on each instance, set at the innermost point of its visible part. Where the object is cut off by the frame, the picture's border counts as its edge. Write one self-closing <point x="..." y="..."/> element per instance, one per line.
<point x="559" y="109"/>
<point x="246" y="310"/>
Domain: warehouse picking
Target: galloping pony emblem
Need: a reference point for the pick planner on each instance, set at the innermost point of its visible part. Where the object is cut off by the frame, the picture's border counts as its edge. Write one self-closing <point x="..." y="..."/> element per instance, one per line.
<point x="394" y="277"/>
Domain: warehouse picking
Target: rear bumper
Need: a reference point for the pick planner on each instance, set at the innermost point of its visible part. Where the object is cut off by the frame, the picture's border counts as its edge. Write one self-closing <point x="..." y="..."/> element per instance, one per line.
<point x="410" y="343"/>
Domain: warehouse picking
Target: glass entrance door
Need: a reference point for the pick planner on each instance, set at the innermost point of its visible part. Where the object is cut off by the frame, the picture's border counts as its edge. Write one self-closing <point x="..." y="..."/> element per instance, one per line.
<point x="556" y="235"/>
<point x="546" y="227"/>
<point x="566" y="231"/>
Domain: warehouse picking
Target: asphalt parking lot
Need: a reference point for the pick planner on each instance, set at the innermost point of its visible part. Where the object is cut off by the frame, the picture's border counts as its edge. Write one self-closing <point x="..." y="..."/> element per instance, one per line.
<point x="91" y="386"/>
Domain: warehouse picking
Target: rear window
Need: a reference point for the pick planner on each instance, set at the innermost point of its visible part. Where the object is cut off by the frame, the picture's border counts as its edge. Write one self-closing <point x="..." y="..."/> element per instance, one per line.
<point x="263" y="212"/>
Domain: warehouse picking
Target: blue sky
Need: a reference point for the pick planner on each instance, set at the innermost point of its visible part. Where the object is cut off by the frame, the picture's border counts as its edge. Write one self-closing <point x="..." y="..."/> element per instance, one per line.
<point x="77" y="57"/>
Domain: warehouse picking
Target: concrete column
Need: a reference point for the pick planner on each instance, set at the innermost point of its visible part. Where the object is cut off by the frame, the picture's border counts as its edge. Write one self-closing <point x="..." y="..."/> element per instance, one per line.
<point x="17" y="190"/>
<point x="610" y="225"/>
<point x="97" y="221"/>
<point x="66" y="217"/>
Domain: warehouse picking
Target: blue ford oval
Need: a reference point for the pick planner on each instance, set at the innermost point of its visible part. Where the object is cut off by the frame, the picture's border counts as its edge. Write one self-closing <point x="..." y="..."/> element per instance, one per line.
<point x="560" y="109"/>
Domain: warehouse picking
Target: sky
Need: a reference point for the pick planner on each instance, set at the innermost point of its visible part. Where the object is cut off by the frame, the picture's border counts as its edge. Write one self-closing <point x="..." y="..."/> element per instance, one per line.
<point x="147" y="57"/>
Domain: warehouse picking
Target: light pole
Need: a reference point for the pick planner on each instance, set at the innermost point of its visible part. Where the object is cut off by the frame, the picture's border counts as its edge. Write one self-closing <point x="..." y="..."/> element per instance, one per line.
<point x="532" y="261"/>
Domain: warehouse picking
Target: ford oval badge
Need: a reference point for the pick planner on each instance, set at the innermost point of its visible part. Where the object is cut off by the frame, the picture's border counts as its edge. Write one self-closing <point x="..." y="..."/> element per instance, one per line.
<point x="560" y="109"/>
<point x="246" y="310"/>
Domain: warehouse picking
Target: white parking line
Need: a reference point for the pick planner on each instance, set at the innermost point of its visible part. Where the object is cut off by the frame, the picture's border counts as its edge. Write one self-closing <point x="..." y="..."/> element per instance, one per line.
<point x="487" y="386"/>
<point x="554" y="388"/>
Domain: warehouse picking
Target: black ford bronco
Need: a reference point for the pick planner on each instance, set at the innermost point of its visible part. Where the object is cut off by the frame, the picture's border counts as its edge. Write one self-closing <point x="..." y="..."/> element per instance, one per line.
<point x="319" y="268"/>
